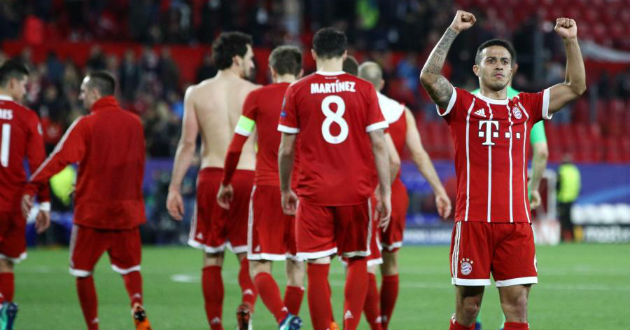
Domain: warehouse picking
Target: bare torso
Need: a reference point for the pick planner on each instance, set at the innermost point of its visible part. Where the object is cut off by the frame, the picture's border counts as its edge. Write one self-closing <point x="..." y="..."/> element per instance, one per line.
<point x="218" y="105"/>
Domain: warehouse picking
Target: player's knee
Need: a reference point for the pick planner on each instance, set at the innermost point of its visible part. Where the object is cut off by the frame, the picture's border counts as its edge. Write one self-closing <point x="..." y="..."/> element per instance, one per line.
<point x="6" y="266"/>
<point x="515" y="307"/>
<point x="259" y="266"/>
<point x="295" y="273"/>
<point x="213" y="259"/>
<point x="390" y="264"/>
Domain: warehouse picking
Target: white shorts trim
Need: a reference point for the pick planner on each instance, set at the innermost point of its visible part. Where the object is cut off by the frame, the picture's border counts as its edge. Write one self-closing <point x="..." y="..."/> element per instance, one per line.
<point x="17" y="260"/>
<point x="374" y="262"/>
<point x="353" y="254"/>
<point x="517" y="281"/>
<point x="316" y="255"/>
<point x="126" y="271"/>
<point x="205" y="248"/>
<point x="391" y="247"/>
<point x="266" y="256"/>
<point x="471" y="282"/>
<point x="79" y="272"/>
<point x="236" y="249"/>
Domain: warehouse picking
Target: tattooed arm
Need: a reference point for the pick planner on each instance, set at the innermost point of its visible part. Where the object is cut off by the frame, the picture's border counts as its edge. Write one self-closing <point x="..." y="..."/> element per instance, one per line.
<point x="438" y="87"/>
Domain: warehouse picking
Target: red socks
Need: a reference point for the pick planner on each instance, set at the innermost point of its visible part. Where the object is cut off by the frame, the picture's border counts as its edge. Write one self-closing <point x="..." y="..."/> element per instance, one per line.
<point x="319" y="296"/>
<point x="87" y="298"/>
<point x="247" y="286"/>
<point x="133" y="284"/>
<point x="371" y="307"/>
<point x="7" y="287"/>
<point x="270" y="295"/>
<point x="293" y="298"/>
<point x="212" y="286"/>
<point x="389" y="294"/>
<point x="515" y="326"/>
<point x="354" y="292"/>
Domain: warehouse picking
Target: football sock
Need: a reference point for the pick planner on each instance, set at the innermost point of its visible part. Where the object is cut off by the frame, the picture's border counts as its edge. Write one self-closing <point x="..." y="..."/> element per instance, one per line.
<point x="7" y="287"/>
<point x="247" y="286"/>
<point x="389" y="294"/>
<point x="212" y="286"/>
<point x="270" y="295"/>
<point x="371" y="307"/>
<point x="87" y="299"/>
<point x="515" y="326"/>
<point x="354" y="292"/>
<point x="293" y="298"/>
<point x="319" y="296"/>
<point x="133" y="284"/>
<point x="457" y="326"/>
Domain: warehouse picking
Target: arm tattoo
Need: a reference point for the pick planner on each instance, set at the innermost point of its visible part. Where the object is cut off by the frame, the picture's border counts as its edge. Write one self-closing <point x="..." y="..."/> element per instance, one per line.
<point x="438" y="87"/>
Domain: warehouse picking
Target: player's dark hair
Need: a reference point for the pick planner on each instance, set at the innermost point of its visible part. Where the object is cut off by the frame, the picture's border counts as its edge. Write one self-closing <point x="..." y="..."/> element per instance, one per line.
<point x="329" y="43"/>
<point x="102" y="81"/>
<point x="496" y="42"/>
<point x="12" y="68"/>
<point x="286" y="60"/>
<point x="351" y="66"/>
<point x="228" y="45"/>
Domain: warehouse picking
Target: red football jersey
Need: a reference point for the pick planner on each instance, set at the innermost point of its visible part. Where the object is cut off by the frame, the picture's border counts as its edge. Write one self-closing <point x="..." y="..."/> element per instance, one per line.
<point x="109" y="145"/>
<point x="332" y="114"/>
<point x="394" y="113"/>
<point x="20" y="137"/>
<point x="491" y="140"/>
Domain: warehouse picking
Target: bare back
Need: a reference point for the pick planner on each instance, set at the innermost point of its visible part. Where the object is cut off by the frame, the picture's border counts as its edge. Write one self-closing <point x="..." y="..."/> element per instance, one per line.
<point x="217" y="104"/>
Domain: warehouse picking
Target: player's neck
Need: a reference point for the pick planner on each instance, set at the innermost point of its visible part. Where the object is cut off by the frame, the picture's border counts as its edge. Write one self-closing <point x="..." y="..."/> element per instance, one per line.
<point x="330" y="65"/>
<point x="495" y="95"/>
<point x="4" y="94"/>
<point x="229" y="73"/>
<point x="285" y="78"/>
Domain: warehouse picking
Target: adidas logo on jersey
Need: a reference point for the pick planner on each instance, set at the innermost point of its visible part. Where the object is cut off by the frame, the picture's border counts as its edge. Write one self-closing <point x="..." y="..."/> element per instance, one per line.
<point x="481" y="113"/>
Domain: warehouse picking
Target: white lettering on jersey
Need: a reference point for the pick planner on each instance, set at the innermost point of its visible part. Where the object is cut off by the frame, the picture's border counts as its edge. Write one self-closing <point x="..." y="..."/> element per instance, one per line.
<point x="485" y="130"/>
<point x="6" y="114"/>
<point x="333" y="87"/>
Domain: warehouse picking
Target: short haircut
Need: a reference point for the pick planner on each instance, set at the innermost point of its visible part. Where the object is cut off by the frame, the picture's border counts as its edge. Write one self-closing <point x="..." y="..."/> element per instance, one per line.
<point x="495" y="42"/>
<point x="228" y="45"/>
<point x="329" y="43"/>
<point x="351" y="66"/>
<point x="371" y="72"/>
<point x="12" y="68"/>
<point x="286" y="60"/>
<point x="102" y="81"/>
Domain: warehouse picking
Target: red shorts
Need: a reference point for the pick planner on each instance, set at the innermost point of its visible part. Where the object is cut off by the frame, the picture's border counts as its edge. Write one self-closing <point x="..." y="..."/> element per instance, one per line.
<point x="12" y="236"/>
<point x="87" y="245"/>
<point x="213" y="227"/>
<point x="271" y="233"/>
<point x="505" y="249"/>
<point x="322" y="231"/>
<point x="375" y="257"/>
<point x="392" y="238"/>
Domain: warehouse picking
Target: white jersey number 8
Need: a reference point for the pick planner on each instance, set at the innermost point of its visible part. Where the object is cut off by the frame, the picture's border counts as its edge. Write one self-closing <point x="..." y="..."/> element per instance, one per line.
<point x="334" y="117"/>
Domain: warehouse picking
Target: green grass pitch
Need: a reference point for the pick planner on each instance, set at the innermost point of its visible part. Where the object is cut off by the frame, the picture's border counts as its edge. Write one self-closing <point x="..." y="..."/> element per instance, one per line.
<point x="582" y="286"/>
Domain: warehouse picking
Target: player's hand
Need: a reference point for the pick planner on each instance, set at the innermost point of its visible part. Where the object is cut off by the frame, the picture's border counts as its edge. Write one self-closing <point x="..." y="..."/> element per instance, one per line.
<point x="463" y="21"/>
<point x="175" y="204"/>
<point x="27" y="205"/>
<point x="383" y="209"/>
<point x="225" y="196"/>
<point x="289" y="202"/>
<point x="566" y="28"/>
<point x="42" y="221"/>
<point x="443" y="204"/>
<point x="534" y="199"/>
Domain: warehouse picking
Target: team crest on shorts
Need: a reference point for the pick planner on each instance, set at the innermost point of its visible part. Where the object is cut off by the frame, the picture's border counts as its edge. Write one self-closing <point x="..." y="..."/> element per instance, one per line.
<point x="517" y="113"/>
<point x="466" y="266"/>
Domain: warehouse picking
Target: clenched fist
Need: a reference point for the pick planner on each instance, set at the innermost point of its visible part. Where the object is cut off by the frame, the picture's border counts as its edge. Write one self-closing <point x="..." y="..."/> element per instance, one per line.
<point x="566" y="27"/>
<point x="463" y="21"/>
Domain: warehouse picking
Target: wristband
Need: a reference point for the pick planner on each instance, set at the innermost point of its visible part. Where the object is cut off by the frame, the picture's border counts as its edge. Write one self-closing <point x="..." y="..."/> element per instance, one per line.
<point x="44" y="206"/>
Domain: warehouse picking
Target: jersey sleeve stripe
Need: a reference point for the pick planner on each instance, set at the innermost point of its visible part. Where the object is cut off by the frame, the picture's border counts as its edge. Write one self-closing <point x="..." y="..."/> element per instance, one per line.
<point x="245" y="126"/>
<point x="451" y="103"/>
<point x="545" y="105"/>
<point x="287" y="129"/>
<point x="375" y="126"/>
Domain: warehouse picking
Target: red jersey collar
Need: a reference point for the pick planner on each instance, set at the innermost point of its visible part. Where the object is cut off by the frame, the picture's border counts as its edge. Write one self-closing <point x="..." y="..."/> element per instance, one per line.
<point x="104" y="103"/>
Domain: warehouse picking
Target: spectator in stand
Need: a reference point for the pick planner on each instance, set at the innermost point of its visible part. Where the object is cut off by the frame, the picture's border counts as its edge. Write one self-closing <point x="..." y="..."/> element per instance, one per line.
<point x="129" y="76"/>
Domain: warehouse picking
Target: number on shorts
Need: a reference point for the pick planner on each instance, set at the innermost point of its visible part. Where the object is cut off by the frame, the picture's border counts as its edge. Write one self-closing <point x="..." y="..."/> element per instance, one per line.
<point x="334" y="117"/>
<point x="4" y="145"/>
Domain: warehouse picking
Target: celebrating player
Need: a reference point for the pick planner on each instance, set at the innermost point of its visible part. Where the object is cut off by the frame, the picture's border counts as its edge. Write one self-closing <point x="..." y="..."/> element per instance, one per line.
<point x="333" y="120"/>
<point x="271" y="233"/>
<point x="403" y="131"/>
<point x="20" y="137"/>
<point x="213" y="107"/>
<point x="108" y="144"/>
<point x="492" y="231"/>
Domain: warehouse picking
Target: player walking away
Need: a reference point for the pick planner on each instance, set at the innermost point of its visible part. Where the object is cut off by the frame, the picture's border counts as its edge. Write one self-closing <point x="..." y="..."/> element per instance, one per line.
<point x="492" y="217"/>
<point x="271" y="233"/>
<point x="333" y="120"/>
<point x="108" y="144"/>
<point x="403" y="131"/>
<point x="20" y="138"/>
<point x="212" y="108"/>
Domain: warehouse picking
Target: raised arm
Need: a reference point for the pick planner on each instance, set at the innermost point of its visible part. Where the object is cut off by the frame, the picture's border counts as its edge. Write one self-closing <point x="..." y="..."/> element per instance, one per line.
<point x="286" y="154"/>
<point x="574" y="83"/>
<point x="183" y="157"/>
<point x="438" y="87"/>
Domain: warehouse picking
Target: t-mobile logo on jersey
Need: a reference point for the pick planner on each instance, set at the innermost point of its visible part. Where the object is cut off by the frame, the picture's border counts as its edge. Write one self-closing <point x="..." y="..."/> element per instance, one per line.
<point x="486" y="130"/>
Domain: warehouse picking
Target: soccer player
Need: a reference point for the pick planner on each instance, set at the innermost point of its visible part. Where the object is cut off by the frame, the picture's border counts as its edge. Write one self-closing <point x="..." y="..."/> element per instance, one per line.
<point x="20" y="138"/>
<point x="403" y="131"/>
<point x="213" y="108"/>
<point x="492" y="231"/>
<point x="333" y="121"/>
<point x="271" y="233"/>
<point x="108" y="144"/>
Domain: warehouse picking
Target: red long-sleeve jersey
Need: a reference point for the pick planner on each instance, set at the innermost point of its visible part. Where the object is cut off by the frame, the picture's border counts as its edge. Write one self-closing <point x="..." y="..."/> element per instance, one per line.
<point x="20" y="137"/>
<point x="108" y="144"/>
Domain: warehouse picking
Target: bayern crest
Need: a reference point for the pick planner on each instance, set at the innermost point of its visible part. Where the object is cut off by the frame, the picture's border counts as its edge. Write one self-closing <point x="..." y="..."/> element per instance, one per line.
<point x="517" y="113"/>
<point x="466" y="266"/>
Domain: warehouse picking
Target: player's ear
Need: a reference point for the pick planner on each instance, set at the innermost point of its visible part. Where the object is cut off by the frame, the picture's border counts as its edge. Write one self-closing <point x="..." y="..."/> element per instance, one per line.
<point x="314" y="54"/>
<point x="476" y="70"/>
<point x="300" y="74"/>
<point x="344" y="55"/>
<point x="381" y="85"/>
